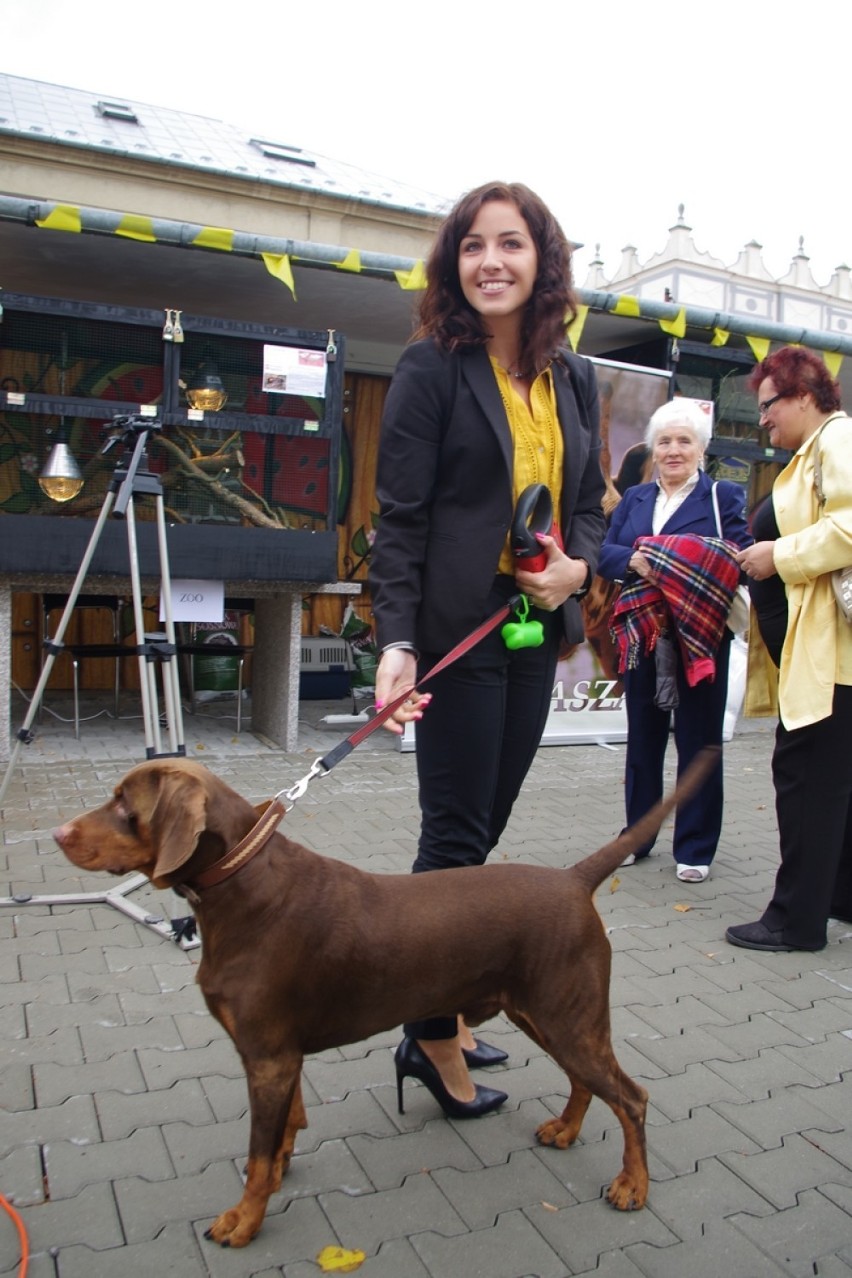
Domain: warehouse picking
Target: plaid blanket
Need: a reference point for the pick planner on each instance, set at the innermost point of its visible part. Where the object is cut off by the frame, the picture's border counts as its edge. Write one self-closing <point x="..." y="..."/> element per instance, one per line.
<point x="689" y="593"/>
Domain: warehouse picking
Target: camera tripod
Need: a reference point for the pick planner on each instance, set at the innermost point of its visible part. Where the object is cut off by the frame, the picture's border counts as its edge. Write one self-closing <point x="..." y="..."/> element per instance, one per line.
<point x="131" y="478"/>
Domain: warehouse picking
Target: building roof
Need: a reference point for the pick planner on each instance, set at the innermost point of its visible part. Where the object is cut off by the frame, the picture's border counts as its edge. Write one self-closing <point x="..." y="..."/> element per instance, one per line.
<point x="82" y="119"/>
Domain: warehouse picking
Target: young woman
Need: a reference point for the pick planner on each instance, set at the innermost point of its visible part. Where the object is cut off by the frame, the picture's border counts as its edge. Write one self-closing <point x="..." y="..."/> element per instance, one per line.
<point x="484" y="402"/>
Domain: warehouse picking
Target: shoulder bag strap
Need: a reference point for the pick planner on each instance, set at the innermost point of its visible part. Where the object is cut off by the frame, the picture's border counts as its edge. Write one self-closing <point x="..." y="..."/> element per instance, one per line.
<point x="716" y="510"/>
<point x="818" y="461"/>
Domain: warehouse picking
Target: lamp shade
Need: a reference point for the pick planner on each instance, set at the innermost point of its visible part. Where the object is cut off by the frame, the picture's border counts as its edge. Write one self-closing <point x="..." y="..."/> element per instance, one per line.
<point x="205" y="390"/>
<point x="61" y="477"/>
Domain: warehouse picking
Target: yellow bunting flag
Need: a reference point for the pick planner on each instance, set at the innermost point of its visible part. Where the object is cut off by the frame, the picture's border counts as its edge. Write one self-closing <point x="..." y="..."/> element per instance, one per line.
<point x="759" y="347"/>
<point x="214" y="237"/>
<point x="62" y="217"/>
<point x="720" y="337"/>
<point x="677" y="326"/>
<point x="134" y="227"/>
<point x="575" y="328"/>
<point x="413" y="279"/>
<point x="278" y="264"/>
<point x="833" y="360"/>
<point x="351" y="262"/>
<point x="627" y="306"/>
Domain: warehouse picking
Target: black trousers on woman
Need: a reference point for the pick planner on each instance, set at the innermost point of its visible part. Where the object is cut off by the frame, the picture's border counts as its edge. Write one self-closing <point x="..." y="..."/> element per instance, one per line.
<point x="698" y="722"/>
<point x="812" y="774"/>
<point x="475" y="744"/>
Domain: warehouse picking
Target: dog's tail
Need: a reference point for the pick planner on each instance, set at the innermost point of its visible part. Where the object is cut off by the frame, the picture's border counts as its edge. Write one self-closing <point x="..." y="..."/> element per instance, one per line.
<point x="595" y="868"/>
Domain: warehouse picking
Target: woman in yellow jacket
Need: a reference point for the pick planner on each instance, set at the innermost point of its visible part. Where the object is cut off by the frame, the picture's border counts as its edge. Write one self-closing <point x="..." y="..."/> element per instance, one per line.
<point x="800" y="653"/>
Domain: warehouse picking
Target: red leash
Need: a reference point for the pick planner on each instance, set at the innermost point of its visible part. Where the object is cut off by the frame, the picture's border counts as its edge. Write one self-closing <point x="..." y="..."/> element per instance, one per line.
<point x="260" y="833"/>
<point x="324" y="765"/>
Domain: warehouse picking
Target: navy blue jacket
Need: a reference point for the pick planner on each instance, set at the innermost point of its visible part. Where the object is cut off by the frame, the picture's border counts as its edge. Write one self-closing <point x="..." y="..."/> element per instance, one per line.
<point x="633" y="517"/>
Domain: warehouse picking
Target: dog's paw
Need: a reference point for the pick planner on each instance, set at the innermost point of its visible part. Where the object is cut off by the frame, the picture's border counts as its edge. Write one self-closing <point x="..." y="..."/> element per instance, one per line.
<point x="557" y="1133"/>
<point x="233" y="1228"/>
<point x="626" y="1194"/>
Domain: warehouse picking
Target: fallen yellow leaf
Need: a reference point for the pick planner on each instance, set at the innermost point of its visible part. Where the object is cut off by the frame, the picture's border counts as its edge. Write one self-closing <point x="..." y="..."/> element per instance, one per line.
<point x="339" y="1260"/>
<point x="683" y="909"/>
<point x="614" y="883"/>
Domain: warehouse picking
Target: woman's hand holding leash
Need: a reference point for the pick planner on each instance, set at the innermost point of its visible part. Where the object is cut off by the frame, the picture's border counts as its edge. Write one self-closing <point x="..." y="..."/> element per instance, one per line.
<point x="560" y="578"/>
<point x="397" y="670"/>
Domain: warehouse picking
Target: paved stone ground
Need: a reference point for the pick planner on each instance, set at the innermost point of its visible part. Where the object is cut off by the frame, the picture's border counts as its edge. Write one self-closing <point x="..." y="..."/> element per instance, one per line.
<point x="125" y="1131"/>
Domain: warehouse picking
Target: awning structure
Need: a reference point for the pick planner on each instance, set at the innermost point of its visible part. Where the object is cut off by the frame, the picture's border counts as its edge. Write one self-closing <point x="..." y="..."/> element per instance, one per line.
<point x="383" y="317"/>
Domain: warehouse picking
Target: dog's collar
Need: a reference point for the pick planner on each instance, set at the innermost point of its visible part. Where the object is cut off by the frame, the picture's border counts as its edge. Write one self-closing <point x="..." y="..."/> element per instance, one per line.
<point x="256" y="839"/>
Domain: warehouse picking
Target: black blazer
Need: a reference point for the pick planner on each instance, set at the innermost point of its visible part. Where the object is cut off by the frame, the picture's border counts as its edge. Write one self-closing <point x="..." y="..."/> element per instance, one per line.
<point x="444" y="486"/>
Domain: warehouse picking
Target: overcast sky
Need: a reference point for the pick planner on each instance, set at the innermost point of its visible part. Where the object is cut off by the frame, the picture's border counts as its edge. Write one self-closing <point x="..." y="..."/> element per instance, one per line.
<point x="615" y="112"/>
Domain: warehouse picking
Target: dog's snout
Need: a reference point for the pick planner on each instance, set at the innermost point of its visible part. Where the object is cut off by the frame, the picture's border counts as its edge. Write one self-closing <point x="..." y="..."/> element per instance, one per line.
<point x="60" y="834"/>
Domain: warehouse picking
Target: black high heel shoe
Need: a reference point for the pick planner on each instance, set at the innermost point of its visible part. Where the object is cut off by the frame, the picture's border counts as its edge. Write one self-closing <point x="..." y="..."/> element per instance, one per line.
<point x="483" y="1055"/>
<point x="411" y="1062"/>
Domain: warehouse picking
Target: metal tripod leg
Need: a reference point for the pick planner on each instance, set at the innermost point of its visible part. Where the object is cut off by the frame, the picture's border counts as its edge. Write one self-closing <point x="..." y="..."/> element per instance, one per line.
<point x="153" y="651"/>
<point x="116" y="897"/>
<point x="25" y="735"/>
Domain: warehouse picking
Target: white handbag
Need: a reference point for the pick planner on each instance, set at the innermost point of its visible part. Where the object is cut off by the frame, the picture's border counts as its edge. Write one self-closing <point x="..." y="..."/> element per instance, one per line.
<point x="738" y="617"/>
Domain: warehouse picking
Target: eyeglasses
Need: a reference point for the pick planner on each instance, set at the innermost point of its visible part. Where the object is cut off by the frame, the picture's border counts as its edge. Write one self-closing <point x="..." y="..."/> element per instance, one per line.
<point x="763" y="409"/>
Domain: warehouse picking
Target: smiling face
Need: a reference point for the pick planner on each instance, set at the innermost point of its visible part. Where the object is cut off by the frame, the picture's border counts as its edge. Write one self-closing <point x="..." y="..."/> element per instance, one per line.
<point x="785" y="419"/>
<point x="498" y="263"/>
<point x="677" y="453"/>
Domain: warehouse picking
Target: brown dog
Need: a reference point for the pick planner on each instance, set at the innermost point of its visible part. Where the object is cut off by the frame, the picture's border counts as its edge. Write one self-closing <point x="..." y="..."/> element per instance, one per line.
<point x="517" y="939"/>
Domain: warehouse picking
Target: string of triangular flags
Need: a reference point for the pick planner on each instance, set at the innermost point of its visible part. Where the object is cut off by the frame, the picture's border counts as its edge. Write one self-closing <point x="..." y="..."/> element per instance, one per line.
<point x="67" y="217"/>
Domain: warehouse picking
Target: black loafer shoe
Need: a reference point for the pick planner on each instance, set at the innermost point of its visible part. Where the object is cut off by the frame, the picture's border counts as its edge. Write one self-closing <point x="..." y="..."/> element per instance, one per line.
<point x="483" y="1055"/>
<point x="757" y="936"/>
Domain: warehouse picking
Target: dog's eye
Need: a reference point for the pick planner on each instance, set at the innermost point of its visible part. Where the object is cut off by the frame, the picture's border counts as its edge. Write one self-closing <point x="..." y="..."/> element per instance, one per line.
<point x="124" y="814"/>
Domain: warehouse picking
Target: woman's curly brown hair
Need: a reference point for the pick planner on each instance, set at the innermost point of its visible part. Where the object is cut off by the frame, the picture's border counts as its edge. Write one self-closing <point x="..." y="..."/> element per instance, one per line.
<point x="445" y="313"/>
<point x="796" y="371"/>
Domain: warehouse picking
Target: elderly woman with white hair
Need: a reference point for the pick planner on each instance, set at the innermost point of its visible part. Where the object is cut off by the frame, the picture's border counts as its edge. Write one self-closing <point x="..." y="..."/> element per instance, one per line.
<point x="672" y="544"/>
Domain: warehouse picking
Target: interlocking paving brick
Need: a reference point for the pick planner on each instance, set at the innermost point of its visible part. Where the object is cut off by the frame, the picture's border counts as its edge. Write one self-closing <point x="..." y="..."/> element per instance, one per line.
<point x="481" y="1195"/>
<point x="781" y="1174"/>
<point x="76" y="1119"/>
<point x="768" y="1121"/>
<point x="580" y="1233"/>
<point x="370" y="1219"/>
<point x="56" y="1083"/>
<point x="799" y="1237"/>
<point x="90" y="1218"/>
<point x="120" y="1114"/>
<point x="22" y="1181"/>
<point x="712" y="1192"/>
<point x="175" y="1250"/>
<point x="146" y="1206"/>
<point x="510" y="1248"/>
<point x="71" y="1165"/>
<point x="756" y="1076"/>
<point x="720" y="1249"/>
<point x="686" y="1143"/>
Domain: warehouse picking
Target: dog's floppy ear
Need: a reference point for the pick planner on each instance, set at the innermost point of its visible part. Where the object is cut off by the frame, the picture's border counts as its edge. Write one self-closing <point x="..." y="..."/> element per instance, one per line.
<point x="178" y="818"/>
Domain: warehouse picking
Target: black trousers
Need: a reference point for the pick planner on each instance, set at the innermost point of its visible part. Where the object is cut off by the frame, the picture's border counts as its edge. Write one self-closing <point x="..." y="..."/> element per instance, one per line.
<point x="475" y="744"/>
<point x="812" y="774"/>
<point x="698" y="722"/>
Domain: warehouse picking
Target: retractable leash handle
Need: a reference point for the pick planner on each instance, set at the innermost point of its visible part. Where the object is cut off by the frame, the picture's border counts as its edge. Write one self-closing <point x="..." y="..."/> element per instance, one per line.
<point x="533" y="514"/>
